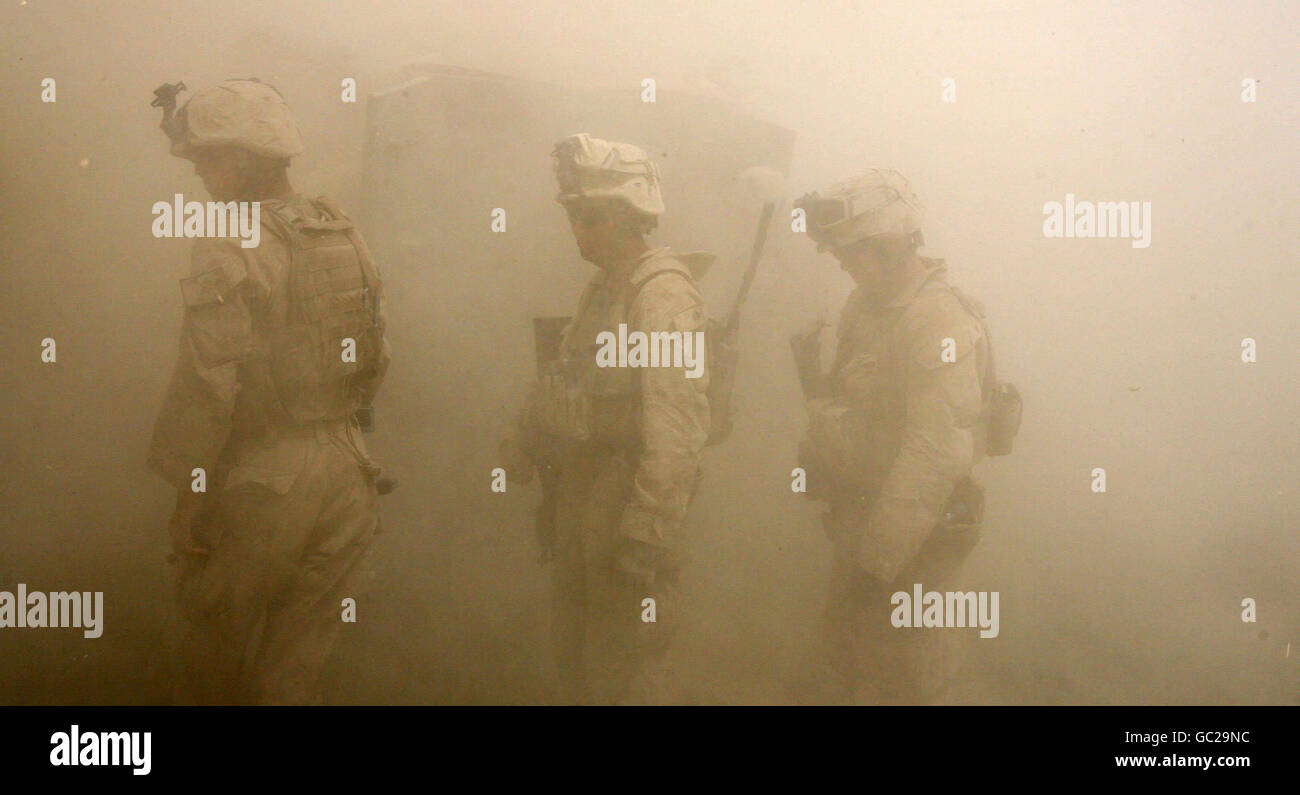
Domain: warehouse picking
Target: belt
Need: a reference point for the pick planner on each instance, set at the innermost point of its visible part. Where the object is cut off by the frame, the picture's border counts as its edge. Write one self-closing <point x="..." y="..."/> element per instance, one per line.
<point x="321" y="429"/>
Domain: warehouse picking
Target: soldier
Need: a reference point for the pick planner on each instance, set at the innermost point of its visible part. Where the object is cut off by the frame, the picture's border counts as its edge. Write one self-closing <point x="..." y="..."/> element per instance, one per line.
<point x="895" y="427"/>
<point x="621" y="446"/>
<point x="281" y="344"/>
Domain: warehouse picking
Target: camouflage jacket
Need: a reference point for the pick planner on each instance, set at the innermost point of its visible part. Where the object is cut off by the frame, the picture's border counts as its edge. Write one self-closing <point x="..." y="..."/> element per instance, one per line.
<point x="902" y="423"/>
<point x="655" y="417"/>
<point x="236" y="300"/>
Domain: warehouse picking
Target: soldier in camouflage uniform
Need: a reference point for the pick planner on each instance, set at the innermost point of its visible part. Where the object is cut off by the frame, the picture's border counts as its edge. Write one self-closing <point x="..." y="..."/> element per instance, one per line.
<point x="622" y="444"/>
<point x="262" y="400"/>
<point x="895" y="427"/>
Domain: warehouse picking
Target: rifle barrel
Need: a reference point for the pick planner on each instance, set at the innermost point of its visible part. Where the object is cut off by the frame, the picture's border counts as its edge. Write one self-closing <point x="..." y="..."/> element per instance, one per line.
<point x="755" y="254"/>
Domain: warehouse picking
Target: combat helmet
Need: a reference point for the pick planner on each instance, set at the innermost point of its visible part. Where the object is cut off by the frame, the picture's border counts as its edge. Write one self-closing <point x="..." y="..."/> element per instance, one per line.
<point x="592" y="168"/>
<point x="246" y="113"/>
<point x="876" y="203"/>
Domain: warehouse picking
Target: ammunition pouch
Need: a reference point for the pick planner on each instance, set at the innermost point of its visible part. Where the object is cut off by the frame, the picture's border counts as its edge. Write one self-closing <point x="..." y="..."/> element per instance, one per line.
<point x="556" y="406"/>
<point x="558" y="409"/>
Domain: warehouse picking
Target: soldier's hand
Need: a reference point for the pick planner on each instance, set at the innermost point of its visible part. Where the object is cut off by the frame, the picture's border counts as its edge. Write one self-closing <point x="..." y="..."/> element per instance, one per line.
<point x="180" y="529"/>
<point x="635" y="562"/>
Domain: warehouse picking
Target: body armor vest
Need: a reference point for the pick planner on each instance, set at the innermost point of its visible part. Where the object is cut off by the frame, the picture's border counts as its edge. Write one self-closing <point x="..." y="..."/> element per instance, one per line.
<point x="604" y="402"/>
<point x="860" y="429"/>
<point x="607" y="398"/>
<point x="311" y="362"/>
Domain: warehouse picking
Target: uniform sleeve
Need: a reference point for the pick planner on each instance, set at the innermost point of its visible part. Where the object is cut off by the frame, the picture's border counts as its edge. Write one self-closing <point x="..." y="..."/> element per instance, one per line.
<point x="216" y="334"/>
<point x="943" y="404"/>
<point x="674" y="416"/>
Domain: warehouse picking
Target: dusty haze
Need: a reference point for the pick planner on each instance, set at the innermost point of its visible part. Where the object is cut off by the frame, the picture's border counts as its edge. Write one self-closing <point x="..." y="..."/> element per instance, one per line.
<point x="1129" y="359"/>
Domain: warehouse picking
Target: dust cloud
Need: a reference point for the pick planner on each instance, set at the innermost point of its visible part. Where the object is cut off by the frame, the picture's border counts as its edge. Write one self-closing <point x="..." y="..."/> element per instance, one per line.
<point x="1129" y="358"/>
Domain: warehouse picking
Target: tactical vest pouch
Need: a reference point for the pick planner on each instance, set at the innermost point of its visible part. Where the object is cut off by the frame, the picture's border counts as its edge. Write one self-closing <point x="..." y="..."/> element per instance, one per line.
<point x="332" y="294"/>
<point x="1004" y="418"/>
<point x="559" y="409"/>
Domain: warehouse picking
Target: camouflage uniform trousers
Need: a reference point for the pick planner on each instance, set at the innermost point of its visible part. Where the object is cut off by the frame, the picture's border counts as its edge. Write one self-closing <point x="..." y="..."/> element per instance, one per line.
<point x="289" y="533"/>
<point x="873" y="660"/>
<point x="605" y="652"/>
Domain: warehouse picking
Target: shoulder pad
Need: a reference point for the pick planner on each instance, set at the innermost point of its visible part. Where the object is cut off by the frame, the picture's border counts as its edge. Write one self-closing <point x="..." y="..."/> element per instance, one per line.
<point x="217" y="269"/>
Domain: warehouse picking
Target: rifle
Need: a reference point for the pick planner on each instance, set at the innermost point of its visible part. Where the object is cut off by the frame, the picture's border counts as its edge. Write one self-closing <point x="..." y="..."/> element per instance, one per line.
<point x="547" y="334"/>
<point x="765" y="220"/>
<point x="724" y="341"/>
